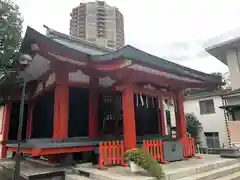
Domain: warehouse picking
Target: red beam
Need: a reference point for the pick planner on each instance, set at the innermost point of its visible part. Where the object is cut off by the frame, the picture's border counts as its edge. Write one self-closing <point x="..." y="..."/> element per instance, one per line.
<point x="50" y="151"/>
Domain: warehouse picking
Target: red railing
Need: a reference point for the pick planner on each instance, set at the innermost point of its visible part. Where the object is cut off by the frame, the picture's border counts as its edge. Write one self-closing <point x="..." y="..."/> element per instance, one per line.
<point x="111" y="153"/>
<point x="188" y="147"/>
<point x="155" y="148"/>
<point x="3" y="151"/>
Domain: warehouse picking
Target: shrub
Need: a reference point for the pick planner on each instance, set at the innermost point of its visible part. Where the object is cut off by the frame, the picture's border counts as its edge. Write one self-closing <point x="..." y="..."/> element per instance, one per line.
<point x="144" y="160"/>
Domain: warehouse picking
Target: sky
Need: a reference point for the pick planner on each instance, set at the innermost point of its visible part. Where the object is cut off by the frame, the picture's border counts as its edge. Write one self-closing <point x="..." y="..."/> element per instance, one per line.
<point x="177" y="30"/>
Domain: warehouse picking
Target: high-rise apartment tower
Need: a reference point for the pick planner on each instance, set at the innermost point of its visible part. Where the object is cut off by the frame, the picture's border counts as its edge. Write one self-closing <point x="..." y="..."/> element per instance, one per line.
<point x="99" y="23"/>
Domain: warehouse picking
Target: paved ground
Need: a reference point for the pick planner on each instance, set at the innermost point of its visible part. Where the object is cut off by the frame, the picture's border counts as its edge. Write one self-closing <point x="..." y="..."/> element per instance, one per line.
<point x="173" y="166"/>
<point x="28" y="168"/>
<point x="33" y="168"/>
<point x="120" y="172"/>
<point x="3" y="177"/>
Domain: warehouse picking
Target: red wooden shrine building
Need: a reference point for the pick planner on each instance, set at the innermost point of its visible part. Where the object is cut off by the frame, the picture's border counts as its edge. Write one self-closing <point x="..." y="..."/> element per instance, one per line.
<point x="80" y="95"/>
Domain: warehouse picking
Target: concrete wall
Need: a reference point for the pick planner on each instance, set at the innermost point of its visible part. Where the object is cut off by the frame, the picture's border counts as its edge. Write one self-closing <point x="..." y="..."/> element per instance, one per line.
<point x="211" y="122"/>
<point x="233" y="62"/>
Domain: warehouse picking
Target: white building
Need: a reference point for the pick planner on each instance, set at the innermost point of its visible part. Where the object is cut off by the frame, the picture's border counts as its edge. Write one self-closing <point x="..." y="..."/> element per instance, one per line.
<point x="99" y="23"/>
<point x="229" y="53"/>
<point x="205" y="106"/>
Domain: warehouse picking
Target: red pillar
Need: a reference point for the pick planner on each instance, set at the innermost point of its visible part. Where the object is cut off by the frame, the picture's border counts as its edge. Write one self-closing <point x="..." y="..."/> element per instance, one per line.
<point x="29" y="121"/>
<point x="60" y="120"/>
<point x="93" y="122"/>
<point x="5" y="127"/>
<point x="129" y="127"/>
<point x="161" y="117"/>
<point x="180" y="118"/>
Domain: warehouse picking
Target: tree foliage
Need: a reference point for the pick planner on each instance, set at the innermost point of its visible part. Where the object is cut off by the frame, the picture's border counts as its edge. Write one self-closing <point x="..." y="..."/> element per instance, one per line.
<point x="191" y="91"/>
<point x="193" y="124"/>
<point x="10" y="35"/>
<point x="10" y="42"/>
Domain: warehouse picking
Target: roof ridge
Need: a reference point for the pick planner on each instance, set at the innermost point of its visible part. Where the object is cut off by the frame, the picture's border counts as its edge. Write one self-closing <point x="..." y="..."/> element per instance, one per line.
<point x="73" y="38"/>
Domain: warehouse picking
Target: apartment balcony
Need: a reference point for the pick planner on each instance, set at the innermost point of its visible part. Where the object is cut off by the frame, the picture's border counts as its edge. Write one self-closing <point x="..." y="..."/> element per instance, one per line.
<point x="101" y="27"/>
<point x="101" y="12"/>
<point x="101" y="19"/>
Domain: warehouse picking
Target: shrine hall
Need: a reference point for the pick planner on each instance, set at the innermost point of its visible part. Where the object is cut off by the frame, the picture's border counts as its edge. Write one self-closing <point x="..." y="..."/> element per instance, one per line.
<point x="81" y="97"/>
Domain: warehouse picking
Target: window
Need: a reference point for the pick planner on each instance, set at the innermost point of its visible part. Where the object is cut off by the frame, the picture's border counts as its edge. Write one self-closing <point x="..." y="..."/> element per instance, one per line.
<point x="234" y="114"/>
<point x="207" y="107"/>
<point x="212" y="139"/>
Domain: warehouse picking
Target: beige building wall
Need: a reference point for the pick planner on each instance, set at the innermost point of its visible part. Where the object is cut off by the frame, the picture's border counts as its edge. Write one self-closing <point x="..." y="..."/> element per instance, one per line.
<point x="233" y="63"/>
<point x="99" y="23"/>
<point x="234" y="128"/>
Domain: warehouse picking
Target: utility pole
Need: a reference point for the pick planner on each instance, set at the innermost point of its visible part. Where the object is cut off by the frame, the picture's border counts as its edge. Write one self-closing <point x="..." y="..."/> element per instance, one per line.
<point x="24" y="60"/>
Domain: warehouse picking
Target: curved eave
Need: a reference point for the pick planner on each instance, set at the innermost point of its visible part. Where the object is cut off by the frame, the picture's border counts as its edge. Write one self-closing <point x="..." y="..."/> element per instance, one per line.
<point x="138" y="56"/>
<point x="48" y="44"/>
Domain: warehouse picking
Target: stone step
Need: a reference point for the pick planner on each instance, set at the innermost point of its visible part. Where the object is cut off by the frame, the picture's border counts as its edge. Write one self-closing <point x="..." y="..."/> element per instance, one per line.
<point x="214" y="174"/>
<point x="234" y="176"/>
<point x="186" y="172"/>
<point x="76" y="177"/>
<point x="172" y="174"/>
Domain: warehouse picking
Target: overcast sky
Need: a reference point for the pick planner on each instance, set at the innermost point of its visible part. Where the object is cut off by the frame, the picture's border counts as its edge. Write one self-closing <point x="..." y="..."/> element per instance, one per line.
<point x="174" y="29"/>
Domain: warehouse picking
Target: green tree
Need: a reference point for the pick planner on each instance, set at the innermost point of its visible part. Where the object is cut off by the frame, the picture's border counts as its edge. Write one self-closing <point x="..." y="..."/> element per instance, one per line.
<point x="10" y="42"/>
<point x="10" y="35"/>
<point x="193" y="124"/>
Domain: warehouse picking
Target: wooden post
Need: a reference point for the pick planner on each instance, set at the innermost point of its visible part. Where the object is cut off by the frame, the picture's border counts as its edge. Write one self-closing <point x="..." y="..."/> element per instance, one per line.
<point x="29" y="121"/>
<point x="61" y="103"/>
<point x="129" y="127"/>
<point x="180" y="118"/>
<point x="5" y="128"/>
<point x="61" y="100"/>
<point x="93" y="122"/>
<point x="161" y="117"/>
